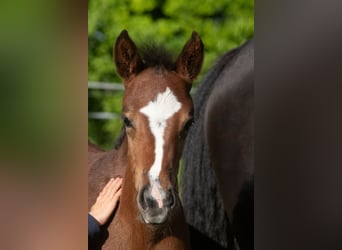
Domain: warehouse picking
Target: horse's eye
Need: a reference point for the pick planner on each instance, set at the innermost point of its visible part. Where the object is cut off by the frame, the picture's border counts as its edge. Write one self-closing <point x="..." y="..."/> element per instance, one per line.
<point x="187" y="125"/>
<point x="127" y="122"/>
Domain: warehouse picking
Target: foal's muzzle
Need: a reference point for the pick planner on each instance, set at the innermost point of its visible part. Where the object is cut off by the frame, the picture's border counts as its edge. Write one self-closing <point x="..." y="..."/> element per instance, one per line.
<point x="155" y="204"/>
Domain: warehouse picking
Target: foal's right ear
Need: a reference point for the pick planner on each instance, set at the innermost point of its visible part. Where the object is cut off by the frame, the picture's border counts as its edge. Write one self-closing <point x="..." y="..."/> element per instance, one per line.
<point x="189" y="62"/>
<point x="127" y="59"/>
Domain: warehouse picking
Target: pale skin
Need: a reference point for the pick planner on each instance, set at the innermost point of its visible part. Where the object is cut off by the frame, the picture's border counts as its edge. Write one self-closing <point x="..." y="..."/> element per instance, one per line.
<point x="107" y="201"/>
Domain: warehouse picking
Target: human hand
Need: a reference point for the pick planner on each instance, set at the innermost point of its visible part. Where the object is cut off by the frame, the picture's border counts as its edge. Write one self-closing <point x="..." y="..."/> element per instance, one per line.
<point x="106" y="201"/>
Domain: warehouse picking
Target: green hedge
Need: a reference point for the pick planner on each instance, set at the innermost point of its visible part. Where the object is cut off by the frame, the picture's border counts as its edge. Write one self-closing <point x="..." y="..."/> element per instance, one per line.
<point x="222" y="25"/>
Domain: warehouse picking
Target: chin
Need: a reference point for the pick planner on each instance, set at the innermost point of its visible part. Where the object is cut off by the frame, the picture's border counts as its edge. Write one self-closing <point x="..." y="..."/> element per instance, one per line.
<point x="156" y="216"/>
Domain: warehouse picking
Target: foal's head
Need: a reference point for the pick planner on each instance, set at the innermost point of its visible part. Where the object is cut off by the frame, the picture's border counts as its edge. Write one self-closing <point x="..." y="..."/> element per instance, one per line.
<point x="157" y="111"/>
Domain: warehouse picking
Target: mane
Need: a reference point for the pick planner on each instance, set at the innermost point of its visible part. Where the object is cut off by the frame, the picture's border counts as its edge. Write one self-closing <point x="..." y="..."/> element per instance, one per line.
<point x="198" y="171"/>
<point x="156" y="55"/>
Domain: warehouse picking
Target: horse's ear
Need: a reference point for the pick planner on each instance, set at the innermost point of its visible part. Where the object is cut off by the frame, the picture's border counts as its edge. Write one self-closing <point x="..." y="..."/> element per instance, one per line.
<point x="189" y="62"/>
<point x="127" y="59"/>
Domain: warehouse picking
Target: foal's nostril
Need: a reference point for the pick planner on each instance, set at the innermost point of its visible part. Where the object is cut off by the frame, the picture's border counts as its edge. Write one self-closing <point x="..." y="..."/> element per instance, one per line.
<point x="148" y="200"/>
<point x="170" y="200"/>
<point x="145" y="199"/>
<point x="142" y="200"/>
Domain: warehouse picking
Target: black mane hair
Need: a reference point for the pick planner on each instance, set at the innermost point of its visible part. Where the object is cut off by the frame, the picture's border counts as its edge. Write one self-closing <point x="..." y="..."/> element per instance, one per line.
<point x="156" y="55"/>
<point x="198" y="173"/>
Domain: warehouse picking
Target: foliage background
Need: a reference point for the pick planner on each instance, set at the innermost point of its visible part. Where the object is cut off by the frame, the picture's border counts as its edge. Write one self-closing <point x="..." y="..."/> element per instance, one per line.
<point x="222" y="25"/>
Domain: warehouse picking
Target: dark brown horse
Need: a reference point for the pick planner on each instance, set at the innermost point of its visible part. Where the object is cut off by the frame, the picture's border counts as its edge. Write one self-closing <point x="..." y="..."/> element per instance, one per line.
<point x="157" y="111"/>
<point x="218" y="175"/>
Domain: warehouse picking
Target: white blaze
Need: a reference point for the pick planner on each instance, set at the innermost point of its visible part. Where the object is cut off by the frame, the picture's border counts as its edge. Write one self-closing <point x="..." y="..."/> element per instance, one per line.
<point x="158" y="112"/>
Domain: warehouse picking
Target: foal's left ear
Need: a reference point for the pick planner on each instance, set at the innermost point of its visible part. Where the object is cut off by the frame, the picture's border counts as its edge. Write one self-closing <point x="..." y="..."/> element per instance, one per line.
<point x="126" y="57"/>
<point x="189" y="62"/>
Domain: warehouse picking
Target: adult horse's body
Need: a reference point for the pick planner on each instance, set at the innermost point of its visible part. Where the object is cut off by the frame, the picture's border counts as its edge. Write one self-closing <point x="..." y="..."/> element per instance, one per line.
<point x="218" y="173"/>
<point x="157" y="111"/>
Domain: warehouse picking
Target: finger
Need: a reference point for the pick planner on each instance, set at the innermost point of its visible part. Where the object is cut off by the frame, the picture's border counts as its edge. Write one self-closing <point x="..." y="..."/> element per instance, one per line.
<point x="115" y="186"/>
<point x="118" y="193"/>
<point x="106" y="189"/>
<point x="117" y="183"/>
<point x="116" y="197"/>
<point x="117" y="180"/>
